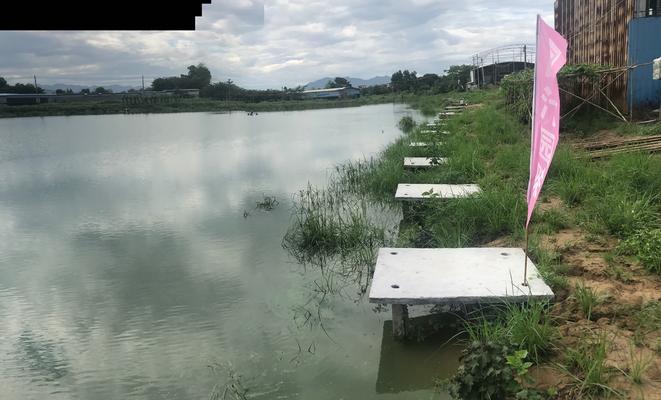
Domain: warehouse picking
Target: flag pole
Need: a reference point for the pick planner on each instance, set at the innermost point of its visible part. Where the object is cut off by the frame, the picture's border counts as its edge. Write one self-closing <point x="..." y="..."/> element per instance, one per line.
<point x="525" y="262"/>
<point x="532" y="141"/>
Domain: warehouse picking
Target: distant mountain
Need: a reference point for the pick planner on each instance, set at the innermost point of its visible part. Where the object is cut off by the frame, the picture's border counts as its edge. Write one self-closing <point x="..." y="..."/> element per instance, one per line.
<point x="78" y="88"/>
<point x="355" y="82"/>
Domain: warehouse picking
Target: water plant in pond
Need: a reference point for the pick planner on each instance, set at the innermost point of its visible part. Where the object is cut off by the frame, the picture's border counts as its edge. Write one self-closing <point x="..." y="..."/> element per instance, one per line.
<point x="328" y="223"/>
<point x="337" y="234"/>
<point x="406" y="124"/>
<point x="232" y="388"/>
<point x="268" y="203"/>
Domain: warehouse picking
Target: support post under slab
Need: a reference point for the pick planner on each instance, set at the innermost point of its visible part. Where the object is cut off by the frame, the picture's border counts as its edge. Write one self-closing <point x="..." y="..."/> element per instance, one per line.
<point x="400" y="320"/>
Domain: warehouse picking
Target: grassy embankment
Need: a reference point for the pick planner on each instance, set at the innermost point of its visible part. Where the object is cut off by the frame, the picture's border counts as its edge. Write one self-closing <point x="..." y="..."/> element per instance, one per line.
<point x="595" y="237"/>
<point x="183" y="105"/>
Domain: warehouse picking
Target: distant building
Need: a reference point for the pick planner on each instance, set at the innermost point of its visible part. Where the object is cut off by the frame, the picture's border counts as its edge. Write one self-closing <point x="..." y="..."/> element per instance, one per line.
<point x="334" y="93"/>
<point x="491" y="66"/>
<point x="623" y="34"/>
<point x="14" y="99"/>
<point x="174" y="92"/>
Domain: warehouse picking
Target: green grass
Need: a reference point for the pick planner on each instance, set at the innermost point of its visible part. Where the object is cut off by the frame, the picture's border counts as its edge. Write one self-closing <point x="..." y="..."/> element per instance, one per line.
<point x="638" y="364"/>
<point x="548" y="264"/>
<point x="645" y="244"/>
<point x="587" y="299"/>
<point x="327" y="224"/>
<point x="530" y="328"/>
<point x="586" y="365"/>
<point x="647" y="319"/>
<point x="615" y="197"/>
<point x="526" y="326"/>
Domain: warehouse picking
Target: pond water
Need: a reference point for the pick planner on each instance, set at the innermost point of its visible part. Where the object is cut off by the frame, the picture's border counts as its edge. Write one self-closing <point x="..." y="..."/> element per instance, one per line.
<point x="134" y="263"/>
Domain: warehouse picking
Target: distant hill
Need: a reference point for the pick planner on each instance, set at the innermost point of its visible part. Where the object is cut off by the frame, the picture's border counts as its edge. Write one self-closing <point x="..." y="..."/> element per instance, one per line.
<point x="355" y="82"/>
<point x="78" y="88"/>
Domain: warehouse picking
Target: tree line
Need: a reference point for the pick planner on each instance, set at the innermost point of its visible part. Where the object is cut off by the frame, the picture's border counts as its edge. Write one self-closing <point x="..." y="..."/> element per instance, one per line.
<point x="29" y="88"/>
<point x="199" y="77"/>
<point x="455" y="78"/>
<point x="18" y="88"/>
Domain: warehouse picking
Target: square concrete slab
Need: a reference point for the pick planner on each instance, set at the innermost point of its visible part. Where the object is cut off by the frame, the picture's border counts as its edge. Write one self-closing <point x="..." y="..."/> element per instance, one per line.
<point x="454" y="276"/>
<point x="423" y="162"/>
<point x="429" y="131"/>
<point x="414" y="191"/>
<point x="424" y="144"/>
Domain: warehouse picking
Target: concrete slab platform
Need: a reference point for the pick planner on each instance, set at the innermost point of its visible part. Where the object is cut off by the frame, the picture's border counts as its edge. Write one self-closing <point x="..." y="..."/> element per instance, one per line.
<point x="414" y="191"/>
<point x="454" y="276"/>
<point x="433" y="131"/>
<point x="423" y="162"/>
<point x="424" y="144"/>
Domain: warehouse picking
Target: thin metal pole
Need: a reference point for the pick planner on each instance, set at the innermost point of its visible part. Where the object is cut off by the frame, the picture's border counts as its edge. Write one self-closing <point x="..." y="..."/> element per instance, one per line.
<point x="525" y="262"/>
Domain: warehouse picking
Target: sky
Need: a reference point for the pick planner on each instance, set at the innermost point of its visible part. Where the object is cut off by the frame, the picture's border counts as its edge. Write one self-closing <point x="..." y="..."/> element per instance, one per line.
<point x="275" y="43"/>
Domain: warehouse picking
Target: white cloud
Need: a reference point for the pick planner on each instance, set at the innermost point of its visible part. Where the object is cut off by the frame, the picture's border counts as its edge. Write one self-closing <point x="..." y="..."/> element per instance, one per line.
<point x="274" y="43"/>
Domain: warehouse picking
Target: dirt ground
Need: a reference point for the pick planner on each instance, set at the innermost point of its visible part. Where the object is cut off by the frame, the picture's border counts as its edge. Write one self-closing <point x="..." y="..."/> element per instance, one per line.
<point x="624" y="287"/>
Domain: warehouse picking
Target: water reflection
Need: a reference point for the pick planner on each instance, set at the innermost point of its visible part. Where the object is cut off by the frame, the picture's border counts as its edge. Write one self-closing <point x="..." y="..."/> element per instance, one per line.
<point x="127" y="266"/>
<point x="417" y="365"/>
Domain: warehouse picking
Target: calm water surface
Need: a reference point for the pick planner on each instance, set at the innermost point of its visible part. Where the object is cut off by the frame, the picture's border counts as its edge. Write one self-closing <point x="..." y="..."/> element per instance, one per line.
<point x="127" y="267"/>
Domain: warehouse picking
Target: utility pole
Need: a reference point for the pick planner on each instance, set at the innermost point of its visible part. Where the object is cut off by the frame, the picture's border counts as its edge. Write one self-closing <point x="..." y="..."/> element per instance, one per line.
<point x="143" y="83"/>
<point x="525" y="58"/>
<point x="35" y="84"/>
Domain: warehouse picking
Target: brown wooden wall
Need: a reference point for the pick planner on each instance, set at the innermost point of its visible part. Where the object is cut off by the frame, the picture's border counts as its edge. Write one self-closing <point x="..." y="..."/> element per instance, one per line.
<point x="596" y="33"/>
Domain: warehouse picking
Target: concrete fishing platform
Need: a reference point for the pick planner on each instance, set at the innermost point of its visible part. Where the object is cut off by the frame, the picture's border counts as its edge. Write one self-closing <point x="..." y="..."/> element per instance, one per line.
<point x="424" y="144"/>
<point x="449" y="276"/>
<point x="423" y="162"/>
<point x="414" y="191"/>
<point x="430" y="131"/>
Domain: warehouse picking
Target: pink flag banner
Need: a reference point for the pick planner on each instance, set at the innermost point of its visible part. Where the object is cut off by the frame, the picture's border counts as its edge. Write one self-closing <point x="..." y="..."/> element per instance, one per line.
<point x="551" y="56"/>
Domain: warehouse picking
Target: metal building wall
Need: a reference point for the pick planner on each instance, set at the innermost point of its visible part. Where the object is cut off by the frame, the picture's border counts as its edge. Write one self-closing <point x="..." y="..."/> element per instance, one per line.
<point x="596" y="33"/>
<point x="644" y="46"/>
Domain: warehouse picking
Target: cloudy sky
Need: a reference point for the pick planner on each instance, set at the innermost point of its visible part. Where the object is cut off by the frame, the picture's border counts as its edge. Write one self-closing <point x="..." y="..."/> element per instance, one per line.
<point x="275" y="43"/>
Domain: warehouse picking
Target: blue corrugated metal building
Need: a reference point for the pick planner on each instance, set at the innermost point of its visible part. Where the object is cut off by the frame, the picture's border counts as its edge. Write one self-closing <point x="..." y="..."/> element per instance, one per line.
<point x="622" y="35"/>
<point x="644" y="47"/>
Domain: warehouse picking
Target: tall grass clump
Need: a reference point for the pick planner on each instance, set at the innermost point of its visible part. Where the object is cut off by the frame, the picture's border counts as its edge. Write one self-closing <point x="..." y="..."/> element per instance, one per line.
<point x="530" y="328"/>
<point x="548" y="264"/>
<point x="376" y="178"/>
<point x="639" y="362"/>
<point x="326" y="224"/>
<point x="586" y="365"/>
<point x="499" y="339"/>
<point x="493" y="213"/>
<point x="406" y="124"/>
<point x="587" y="299"/>
<point x="624" y="213"/>
<point x="646" y="246"/>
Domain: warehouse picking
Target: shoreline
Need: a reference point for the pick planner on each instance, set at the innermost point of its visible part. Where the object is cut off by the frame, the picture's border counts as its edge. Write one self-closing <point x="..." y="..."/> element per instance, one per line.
<point x="595" y="239"/>
<point x="185" y="105"/>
